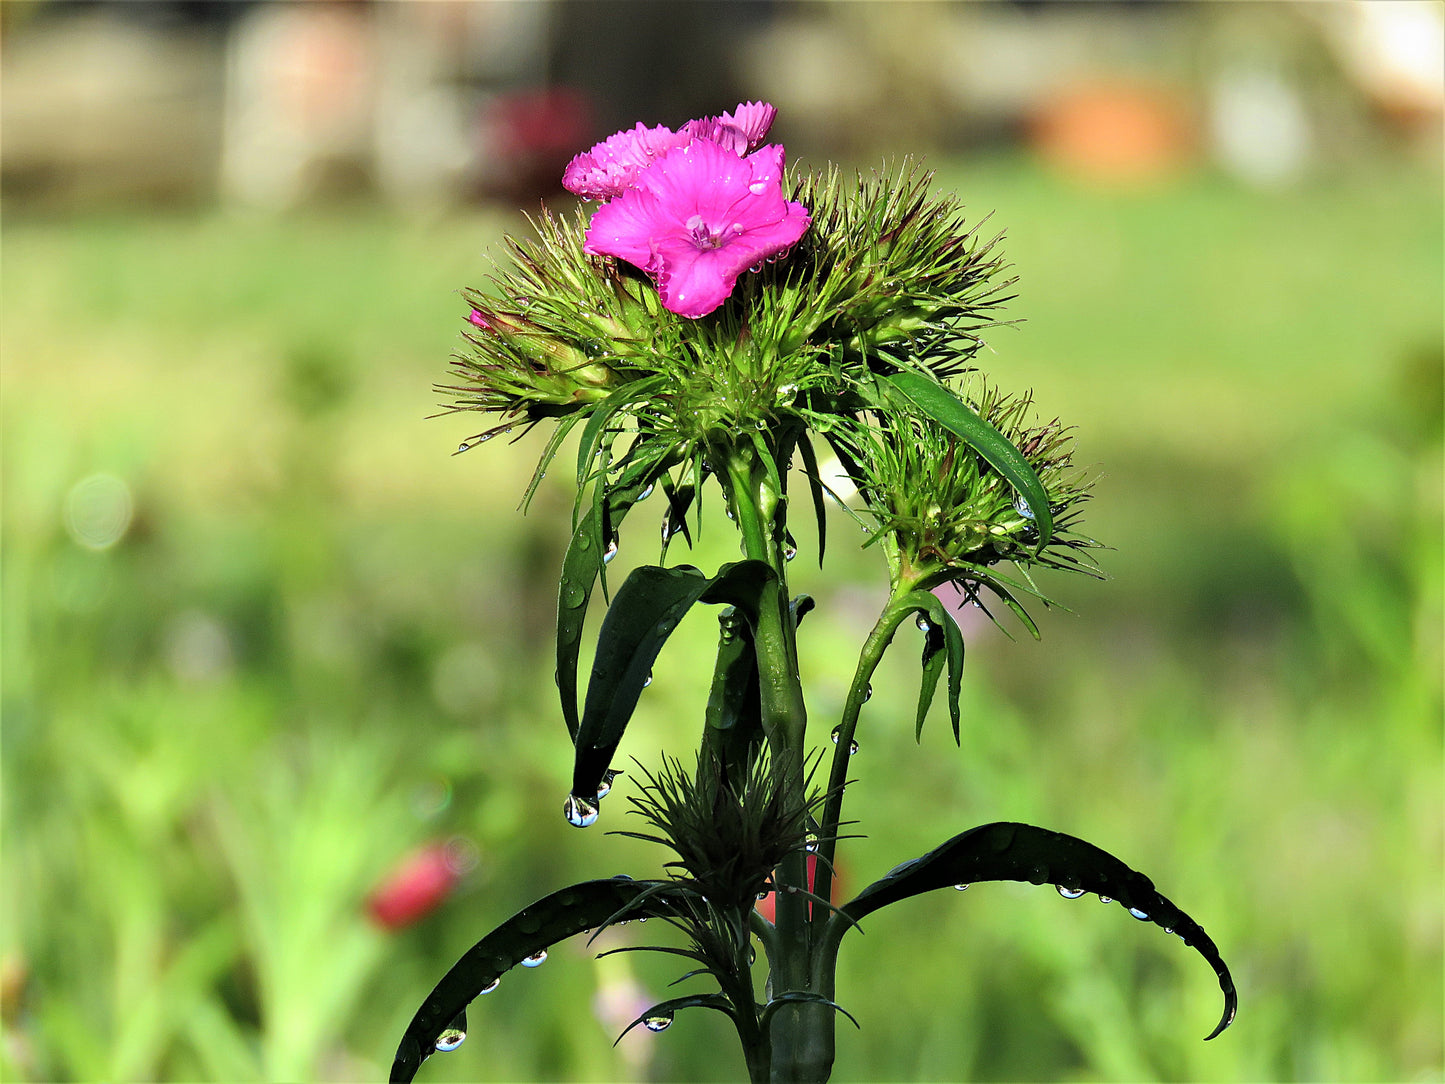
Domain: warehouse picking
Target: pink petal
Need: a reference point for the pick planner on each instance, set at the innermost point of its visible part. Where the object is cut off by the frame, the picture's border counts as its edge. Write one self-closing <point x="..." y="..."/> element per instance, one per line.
<point x="739" y="131"/>
<point x="625" y="227"/>
<point x="610" y="168"/>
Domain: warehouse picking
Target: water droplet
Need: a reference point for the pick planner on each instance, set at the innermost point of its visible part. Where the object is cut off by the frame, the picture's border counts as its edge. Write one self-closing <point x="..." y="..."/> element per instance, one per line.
<point x="852" y="743"/>
<point x="1021" y="506"/>
<point x="1106" y="899"/>
<point x="645" y="494"/>
<point x="536" y="959"/>
<point x="1142" y="916"/>
<point x="960" y="888"/>
<point x="757" y="188"/>
<point x="462" y="447"/>
<point x="922" y="622"/>
<point x="1168" y="929"/>
<point x="604" y="788"/>
<point x="811" y="841"/>
<point x="868" y="693"/>
<point x="787" y="392"/>
<point x="580" y="813"/>
<point x="647" y="680"/>
<point x="610" y="552"/>
<point x="1070" y="893"/>
<point x="642" y="919"/>
<point x="752" y="954"/>
<point x="789" y="550"/>
<point x="764" y="894"/>
<point x="658" y="1021"/>
<point x="487" y="989"/>
<point x="573" y="595"/>
<point x="450" y="1039"/>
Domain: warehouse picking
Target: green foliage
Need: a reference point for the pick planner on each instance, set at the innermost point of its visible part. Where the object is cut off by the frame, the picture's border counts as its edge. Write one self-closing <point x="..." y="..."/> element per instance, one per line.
<point x="1268" y="411"/>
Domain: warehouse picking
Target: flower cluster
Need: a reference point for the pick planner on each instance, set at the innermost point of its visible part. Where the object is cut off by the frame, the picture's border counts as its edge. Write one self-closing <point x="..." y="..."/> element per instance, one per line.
<point x="695" y="208"/>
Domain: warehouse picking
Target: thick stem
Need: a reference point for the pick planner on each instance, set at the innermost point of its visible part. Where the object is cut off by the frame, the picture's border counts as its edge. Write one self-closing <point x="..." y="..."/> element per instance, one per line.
<point x="801" y="1037"/>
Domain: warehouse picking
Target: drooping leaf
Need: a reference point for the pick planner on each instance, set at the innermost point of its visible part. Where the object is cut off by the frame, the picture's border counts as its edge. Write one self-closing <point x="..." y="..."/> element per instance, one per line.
<point x="665" y="1010"/>
<point x="948" y="410"/>
<point x="801" y="997"/>
<point x="815" y="487"/>
<point x="643" y="614"/>
<point x="646" y="610"/>
<point x="944" y="641"/>
<point x="585" y="557"/>
<point x="734" y="708"/>
<point x="533" y="929"/>
<point x="596" y="427"/>
<point x="1006" y="851"/>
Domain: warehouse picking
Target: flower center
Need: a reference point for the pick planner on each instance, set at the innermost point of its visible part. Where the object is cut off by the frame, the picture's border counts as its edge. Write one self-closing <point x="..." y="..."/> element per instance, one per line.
<point x="704" y="237"/>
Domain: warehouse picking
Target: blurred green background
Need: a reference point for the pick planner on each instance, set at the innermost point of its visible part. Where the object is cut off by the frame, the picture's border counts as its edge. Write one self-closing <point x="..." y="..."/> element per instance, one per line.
<point x="264" y="638"/>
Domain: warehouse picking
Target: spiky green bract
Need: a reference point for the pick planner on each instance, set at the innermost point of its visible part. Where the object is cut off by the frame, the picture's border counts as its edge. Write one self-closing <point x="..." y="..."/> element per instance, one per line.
<point x="947" y="516"/>
<point x="729" y="834"/>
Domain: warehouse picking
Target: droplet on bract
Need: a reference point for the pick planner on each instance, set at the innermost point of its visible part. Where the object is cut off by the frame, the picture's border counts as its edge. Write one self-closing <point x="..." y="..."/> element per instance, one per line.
<point x="647" y="680"/>
<point x="610" y="552"/>
<point x="580" y="812"/>
<point x="463" y="446"/>
<point x="450" y="1039"/>
<point x="852" y="742"/>
<point x="789" y="551"/>
<point x="1071" y="893"/>
<point x="960" y="888"/>
<point x="487" y="989"/>
<point x="1021" y="506"/>
<point x="645" y="494"/>
<point x="536" y="959"/>
<point x="658" y="1021"/>
<point x="923" y="623"/>
<point x="1142" y="916"/>
<point x="868" y="693"/>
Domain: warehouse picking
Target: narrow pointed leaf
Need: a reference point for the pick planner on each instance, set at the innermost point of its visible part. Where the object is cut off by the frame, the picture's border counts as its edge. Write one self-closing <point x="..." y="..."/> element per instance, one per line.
<point x="535" y="928"/>
<point x="815" y="487"/>
<point x="669" y="1008"/>
<point x="950" y="646"/>
<point x="646" y="609"/>
<point x="1005" y="851"/>
<point x="802" y="997"/>
<point x="582" y="563"/>
<point x="602" y="413"/>
<point x="936" y="401"/>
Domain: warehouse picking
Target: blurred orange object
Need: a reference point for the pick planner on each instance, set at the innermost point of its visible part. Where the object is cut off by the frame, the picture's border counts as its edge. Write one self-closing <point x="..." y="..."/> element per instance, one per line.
<point x="765" y="906"/>
<point x="1115" y="133"/>
<point x="417" y="886"/>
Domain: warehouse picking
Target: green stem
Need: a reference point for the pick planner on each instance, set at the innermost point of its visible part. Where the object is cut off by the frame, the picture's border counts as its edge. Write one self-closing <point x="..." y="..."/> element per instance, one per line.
<point x="873" y="648"/>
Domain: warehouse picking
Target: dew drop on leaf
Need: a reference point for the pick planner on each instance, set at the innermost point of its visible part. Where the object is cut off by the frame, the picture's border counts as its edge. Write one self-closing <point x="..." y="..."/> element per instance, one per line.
<point x="450" y="1039"/>
<point x="645" y="494"/>
<point x="923" y="623"/>
<point x="536" y="959"/>
<point x="580" y="812"/>
<point x="1106" y="899"/>
<point x="852" y="743"/>
<point x="1142" y="916"/>
<point x="487" y="989"/>
<point x="658" y="1021"/>
<point x="1070" y="893"/>
<point x="1021" y="506"/>
<point x="960" y="888"/>
<point x="647" y="680"/>
<point x="605" y="786"/>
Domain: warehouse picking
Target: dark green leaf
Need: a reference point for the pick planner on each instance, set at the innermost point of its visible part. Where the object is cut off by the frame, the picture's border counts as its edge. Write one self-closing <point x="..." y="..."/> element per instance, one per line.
<point x="551" y="919"/>
<point x="1006" y="851"/>
<point x="646" y="609"/>
<point x="815" y="486"/>
<point x="585" y="557"/>
<point x="801" y="997"/>
<point x="943" y="640"/>
<point x="668" y="1008"/>
<point x="943" y="406"/>
<point x="595" y="430"/>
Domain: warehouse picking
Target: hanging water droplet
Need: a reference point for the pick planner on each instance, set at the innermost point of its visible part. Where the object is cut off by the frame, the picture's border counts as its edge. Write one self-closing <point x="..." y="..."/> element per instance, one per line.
<point x="923" y="623"/>
<point x="580" y="812"/>
<point x="789" y="550"/>
<point x="1106" y="899"/>
<point x="537" y="959"/>
<point x="487" y="989"/>
<point x="960" y="888"/>
<point x="811" y="841"/>
<point x="1021" y="506"/>
<point x="764" y="894"/>
<point x="1070" y="893"/>
<point x="610" y="552"/>
<point x="658" y="1021"/>
<point x="852" y="742"/>
<point x="752" y="954"/>
<point x="642" y="918"/>
<point x="450" y="1039"/>
<point x="647" y="680"/>
<point x="1142" y="916"/>
<point x="645" y="493"/>
<point x="868" y="693"/>
<point x="1168" y="929"/>
<point x="463" y="446"/>
<point x="605" y="786"/>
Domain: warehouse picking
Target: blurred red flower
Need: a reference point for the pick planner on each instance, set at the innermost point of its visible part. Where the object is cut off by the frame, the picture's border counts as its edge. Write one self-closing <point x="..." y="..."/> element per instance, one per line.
<point x="418" y="885"/>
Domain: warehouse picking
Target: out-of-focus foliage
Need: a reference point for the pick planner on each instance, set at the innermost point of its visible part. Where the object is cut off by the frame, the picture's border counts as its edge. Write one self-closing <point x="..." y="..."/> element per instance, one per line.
<point x="263" y="637"/>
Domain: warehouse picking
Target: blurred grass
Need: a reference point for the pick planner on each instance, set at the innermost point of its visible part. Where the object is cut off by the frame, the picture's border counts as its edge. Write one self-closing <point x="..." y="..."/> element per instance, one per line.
<point x="323" y="641"/>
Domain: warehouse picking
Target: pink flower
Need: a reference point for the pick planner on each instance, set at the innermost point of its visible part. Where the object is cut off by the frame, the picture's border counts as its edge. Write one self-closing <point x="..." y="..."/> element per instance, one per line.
<point x="477" y="319"/>
<point x="740" y="131"/>
<point x="696" y="219"/>
<point x="416" y="887"/>
<point x="612" y="167"/>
